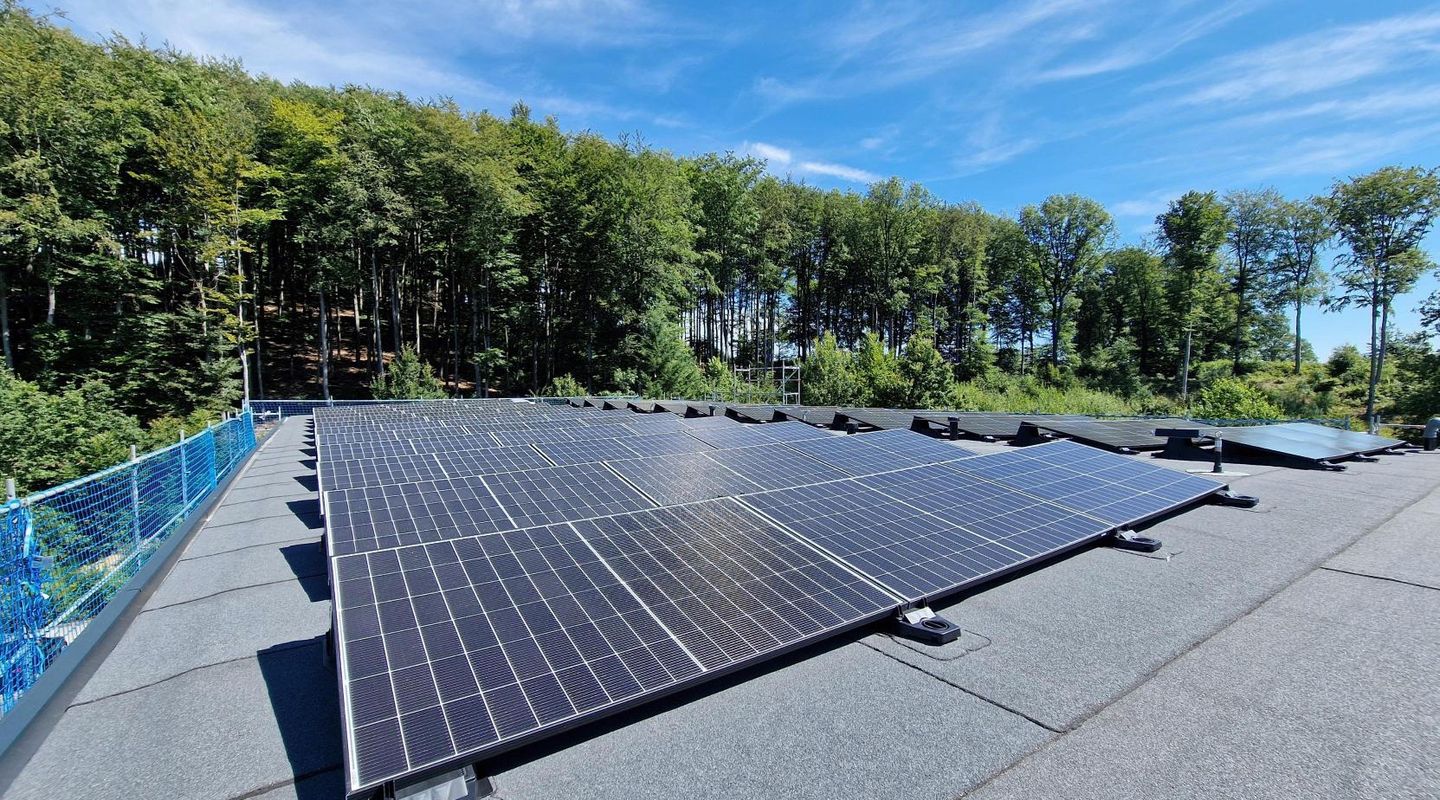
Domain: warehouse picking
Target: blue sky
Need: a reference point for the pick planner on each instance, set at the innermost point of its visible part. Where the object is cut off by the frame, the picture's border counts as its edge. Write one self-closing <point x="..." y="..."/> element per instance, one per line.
<point x="998" y="102"/>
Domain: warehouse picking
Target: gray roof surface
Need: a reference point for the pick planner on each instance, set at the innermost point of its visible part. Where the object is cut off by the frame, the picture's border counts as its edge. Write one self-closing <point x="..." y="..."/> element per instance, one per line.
<point x="1289" y="650"/>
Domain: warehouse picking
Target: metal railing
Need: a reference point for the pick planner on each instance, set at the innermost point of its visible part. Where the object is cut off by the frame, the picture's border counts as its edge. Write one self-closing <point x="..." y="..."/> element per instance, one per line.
<point x="66" y="551"/>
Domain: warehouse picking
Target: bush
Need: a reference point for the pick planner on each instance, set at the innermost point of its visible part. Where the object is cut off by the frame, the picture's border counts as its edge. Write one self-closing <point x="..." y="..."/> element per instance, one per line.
<point x="47" y="439"/>
<point x="409" y="378"/>
<point x="1232" y="398"/>
<point x="564" y="386"/>
<point x="827" y="378"/>
<point x="878" y="374"/>
<point x="928" y="378"/>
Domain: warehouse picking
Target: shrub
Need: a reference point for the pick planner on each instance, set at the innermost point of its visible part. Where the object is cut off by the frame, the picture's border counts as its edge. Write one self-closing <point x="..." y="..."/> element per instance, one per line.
<point x="827" y="378"/>
<point x="1232" y="398"/>
<point x="564" y="386"/>
<point x="46" y="439"/>
<point x="409" y="378"/>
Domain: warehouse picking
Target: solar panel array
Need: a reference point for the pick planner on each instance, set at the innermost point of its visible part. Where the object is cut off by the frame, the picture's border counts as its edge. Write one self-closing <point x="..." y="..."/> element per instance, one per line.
<point x="1124" y="434"/>
<point x="504" y="570"/>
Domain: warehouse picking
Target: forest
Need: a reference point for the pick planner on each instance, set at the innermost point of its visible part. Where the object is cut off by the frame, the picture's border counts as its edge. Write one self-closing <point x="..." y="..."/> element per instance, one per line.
<point x="177" y="234"/>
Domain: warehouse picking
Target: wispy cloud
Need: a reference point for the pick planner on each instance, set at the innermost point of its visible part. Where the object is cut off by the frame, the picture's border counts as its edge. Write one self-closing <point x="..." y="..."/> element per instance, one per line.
<point x="840" y="171"/>
<point x="776" y="156"/>
<point x="1314" y="62"/>
<point x="1168" y="31"/>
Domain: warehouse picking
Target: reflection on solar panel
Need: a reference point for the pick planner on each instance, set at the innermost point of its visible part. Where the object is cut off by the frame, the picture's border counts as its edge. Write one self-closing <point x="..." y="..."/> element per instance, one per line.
<point x="737" y="435"/>
<point x="662" y="444"/>
<point x="1121" y="434"/>
<point x="915" y="554"/>
<point x="851" y="454"/>
<point x="793" y="432"/>
<point x="585" y="452"/>
<point x="681" y="478"/>
<point x="1121" y="491"/>
<point x="561" y="494"/>
<point x="698" y="423"/>
<point x="1307" y="441"/>
<point x="775" y="466"/>
<point x="455" y="650"/>
<point x="655" y="423"/>
<point x="914" y="445"/>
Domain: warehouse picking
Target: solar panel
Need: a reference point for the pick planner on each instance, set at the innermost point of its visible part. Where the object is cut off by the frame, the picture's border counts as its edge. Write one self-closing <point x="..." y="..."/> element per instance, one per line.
<point x="823" y="416"/>
<point x="985" y="424"/>
<point x="792" y="432"/>
<point x="655" y="423"/>
<point x="410" y="468"/>
<point x="1307" y="441"/>
<point x="585" y="452"/>
<point x="1125" y="434"/>
<point x="911" y="552"/>
<point x="681" y="478"/>
<point x="883" y="418"/>
<point x="775" y="466"/>
<point x="737" y="435"/>
<point x="700" y="423"/>
<point x="662" y="444"/>
<point x="560" y="494"/>
<point x="914" y="445"/>
<point x="753" y="413"/>
<point x="1119" y="490"/>
<point x="852" y="455"/>
<point x="457" y="650"/>
<point x="377" y="517"/>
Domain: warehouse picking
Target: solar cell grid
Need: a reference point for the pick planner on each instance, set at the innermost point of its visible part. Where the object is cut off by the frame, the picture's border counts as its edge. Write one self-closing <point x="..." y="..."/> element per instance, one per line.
<point x="774" y="466"/>
<point x="588" y="451"/>
<point x="661" y="444"/>
<point x="792" y="432"/>
<point x="560" y="494"/>
<point x="916" y="446"/>
<point x="852" y="455"/>
<point x="681" y="478"/>
<point x="459" y="648"/>
<point x="1113" y="488"/>
<point x="913" y="553"/>
<point x="481" y="641"/>
<point x="377" y="517"/>
<point x="737" y="435"/>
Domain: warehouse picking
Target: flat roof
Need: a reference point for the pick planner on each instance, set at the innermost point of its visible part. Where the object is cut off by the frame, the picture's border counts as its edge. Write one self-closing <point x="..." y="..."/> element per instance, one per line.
<point x="1289" y="649"/>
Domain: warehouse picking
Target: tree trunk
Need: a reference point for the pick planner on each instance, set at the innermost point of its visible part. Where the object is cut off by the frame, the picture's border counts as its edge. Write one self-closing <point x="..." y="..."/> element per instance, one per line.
<point x="1374" y="367"/>
<point x="5" y="319"/>
<point x="1297" y="338"/>
<point x="375" y="315"/>
<point x="324" y="349"/>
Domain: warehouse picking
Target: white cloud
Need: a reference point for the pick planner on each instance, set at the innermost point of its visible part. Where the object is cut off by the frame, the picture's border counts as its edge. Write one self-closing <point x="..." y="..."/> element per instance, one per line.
<point x="1167" y="33"/>
<point x="1314" y="62"/>
<point x="776" y="156"/>
<point x="840" y="171"/>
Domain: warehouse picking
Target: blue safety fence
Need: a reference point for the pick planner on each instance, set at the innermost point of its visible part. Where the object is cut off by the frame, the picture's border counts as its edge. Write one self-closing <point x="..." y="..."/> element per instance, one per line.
<point x="67" y="551"/>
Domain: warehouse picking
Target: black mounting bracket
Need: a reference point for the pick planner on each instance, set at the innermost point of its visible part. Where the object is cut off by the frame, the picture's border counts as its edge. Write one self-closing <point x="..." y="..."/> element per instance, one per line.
<point x="1229" y="498"/>
<point x="1330" y="465"/>
<point x="1364" y="459"/>
<point x="925" y="626"/>
<point x="1129" y="540"/>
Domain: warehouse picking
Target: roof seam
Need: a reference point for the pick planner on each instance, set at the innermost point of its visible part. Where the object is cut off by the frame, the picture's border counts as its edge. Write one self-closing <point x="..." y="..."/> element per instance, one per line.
<point x="1381" y="578"/>
<point x="276" y="649"/>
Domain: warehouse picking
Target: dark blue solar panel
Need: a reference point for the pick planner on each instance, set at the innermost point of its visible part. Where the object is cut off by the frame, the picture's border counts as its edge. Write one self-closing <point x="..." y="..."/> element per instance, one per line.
<point x="775" y="466"/>
<point x="1117" y="489"/>
<point x="681" y="478"/>
<point x="736" y="434"/>
<point x="914" y="553"/>
<point x="851" y="454"/>
<point x="561" y="494"/>
<point x="589" y="451"/>
<point x="454" y="649"/>
<point x="376" y="517"/>
<point x="915" y="446"/>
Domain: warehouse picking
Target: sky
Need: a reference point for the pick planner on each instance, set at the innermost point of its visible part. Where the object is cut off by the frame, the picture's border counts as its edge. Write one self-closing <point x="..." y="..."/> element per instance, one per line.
<point x="1004" y="103"/>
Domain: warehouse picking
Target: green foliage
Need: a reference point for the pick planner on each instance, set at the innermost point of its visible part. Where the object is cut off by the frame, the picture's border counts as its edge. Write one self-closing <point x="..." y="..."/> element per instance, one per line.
<point x="1232" y="398"/>
<point x="564" y="386"/>
<point x="877" y="373"/>
<point x="408" y="378"/>
<point x="827" y="377"/>
<point x="929" y="380"/>
<point x="665" y="366"/>
<point x="46" y="439"/>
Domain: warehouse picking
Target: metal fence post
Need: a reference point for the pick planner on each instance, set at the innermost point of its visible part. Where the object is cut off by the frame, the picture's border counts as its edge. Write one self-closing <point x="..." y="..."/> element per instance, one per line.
<point x="184" y="473"/>
<point x="135" y="492"/>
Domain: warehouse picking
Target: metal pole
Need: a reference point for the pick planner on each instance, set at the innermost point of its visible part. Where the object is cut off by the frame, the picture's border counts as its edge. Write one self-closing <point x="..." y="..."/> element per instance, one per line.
<point x="10" y="489"/>
<point x="1185" y="375"/>
<point x="135" y="492"/>
<point x="954" y="427"/>
<point x="184" y="473"/>
<point x="1219" y="458"/>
